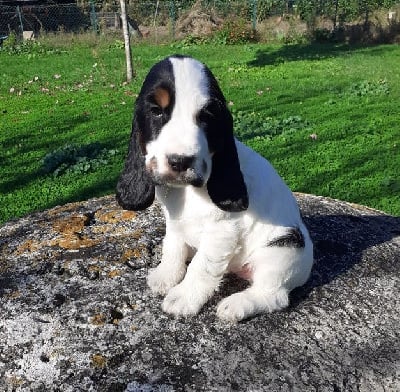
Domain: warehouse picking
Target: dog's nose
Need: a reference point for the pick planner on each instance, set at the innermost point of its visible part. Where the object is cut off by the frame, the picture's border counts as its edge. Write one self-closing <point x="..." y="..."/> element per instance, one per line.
<point x="180" y="163"/>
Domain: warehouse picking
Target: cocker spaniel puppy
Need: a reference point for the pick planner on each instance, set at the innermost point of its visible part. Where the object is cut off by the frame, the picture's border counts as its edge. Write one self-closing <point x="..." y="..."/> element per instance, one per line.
<point x="225" y="206"/>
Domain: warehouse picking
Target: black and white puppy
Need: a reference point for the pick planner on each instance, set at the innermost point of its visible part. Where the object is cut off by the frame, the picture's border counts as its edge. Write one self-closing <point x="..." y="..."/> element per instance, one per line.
<point x="224" y="204"/>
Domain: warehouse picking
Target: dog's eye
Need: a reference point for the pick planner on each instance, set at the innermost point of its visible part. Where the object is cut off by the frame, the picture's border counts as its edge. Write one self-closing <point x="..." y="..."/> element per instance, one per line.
<point x="209" y="112"/>
<point x="203" y="117"/>
<point x="156" y="110"/>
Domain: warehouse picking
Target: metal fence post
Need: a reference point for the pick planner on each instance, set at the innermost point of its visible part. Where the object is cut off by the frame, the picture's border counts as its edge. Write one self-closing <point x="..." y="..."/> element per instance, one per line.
<point x="253" y="4"/>
<point x="20" y="20"/>
<point x="93" y="17"/>
<point x="172" y="17"/>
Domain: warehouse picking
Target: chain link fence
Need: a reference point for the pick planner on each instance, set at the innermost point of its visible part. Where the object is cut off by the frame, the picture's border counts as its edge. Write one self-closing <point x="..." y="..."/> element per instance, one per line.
<point x="171" y="19"/>
<point x="49" y="18"/>
<point x="151" y="15"/>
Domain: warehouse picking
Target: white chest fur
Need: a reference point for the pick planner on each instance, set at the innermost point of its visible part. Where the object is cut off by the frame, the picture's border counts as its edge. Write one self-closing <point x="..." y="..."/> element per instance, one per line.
<point x="190" y="213"/>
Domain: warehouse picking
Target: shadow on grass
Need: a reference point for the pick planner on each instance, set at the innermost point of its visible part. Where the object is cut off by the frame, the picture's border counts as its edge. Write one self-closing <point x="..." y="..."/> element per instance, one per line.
<point x="287" y="53"/>
<point x="23" y="176"/>
<point x="100" y="188"/>
<point x="28" y="143"/>
<point x="349" y="163"/>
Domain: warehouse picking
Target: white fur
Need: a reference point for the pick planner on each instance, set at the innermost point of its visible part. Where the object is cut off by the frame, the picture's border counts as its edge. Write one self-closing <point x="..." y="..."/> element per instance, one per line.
<point x="222" y="241"/>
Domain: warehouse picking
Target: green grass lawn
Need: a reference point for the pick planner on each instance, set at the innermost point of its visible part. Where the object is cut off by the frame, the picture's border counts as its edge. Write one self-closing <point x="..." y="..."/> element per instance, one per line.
<point x="327" y="117"/>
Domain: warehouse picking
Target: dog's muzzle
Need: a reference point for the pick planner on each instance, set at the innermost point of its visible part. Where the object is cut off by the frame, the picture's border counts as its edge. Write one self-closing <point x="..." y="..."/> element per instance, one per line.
<point x="181" y="170"/>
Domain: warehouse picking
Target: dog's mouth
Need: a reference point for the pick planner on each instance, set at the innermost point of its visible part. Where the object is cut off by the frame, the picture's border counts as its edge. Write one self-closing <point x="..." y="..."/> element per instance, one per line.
<point x="178" y="180"/>
<point x="169" y="176"/>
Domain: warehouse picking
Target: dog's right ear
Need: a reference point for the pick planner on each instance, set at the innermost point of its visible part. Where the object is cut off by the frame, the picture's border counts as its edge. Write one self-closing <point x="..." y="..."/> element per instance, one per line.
<point x="135" y="189"/>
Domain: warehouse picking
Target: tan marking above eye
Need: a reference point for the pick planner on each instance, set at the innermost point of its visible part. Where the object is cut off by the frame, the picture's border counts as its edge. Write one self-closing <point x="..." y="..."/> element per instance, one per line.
<point x="162" y="97"/>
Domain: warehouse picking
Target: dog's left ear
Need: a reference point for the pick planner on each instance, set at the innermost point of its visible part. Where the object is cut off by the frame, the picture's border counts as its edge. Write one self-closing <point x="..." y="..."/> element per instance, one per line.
<point x="226" y="186"/>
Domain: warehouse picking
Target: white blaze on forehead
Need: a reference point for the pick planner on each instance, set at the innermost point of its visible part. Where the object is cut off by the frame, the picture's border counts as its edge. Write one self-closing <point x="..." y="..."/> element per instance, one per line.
<point x="182" y="135"/>
<point x="191" y="85"/>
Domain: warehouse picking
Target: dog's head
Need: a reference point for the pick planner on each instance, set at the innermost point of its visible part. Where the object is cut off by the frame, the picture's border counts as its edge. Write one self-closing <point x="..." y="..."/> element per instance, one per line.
<point x="182" y="135"/>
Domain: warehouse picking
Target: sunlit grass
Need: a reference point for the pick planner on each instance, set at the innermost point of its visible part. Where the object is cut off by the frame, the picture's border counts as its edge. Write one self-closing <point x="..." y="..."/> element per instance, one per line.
<point x="343" y="143"/>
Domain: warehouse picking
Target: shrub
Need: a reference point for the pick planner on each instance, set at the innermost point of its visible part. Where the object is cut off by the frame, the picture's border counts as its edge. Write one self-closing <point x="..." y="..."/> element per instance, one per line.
<point x="235" y="31"/>
<point x="253" y="125"/>
<point x="76" y="159"/>
<point x="369" y="88"/>
<point x="13" y="46"/>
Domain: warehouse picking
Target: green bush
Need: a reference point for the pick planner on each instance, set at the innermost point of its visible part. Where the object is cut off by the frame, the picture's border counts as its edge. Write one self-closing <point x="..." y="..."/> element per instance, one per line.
<point x="76" y="159"/>
<point x="13" y="46"/>
<point x="254" y="125"/>
<point x="369" y="88"/>
<point x="235" y="31"/>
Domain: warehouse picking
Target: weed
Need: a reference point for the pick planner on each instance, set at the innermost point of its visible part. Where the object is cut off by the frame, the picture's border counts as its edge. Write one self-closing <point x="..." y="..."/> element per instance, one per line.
<point x="30" y="48"/>
<point x="232" y="32"/>
<point x="364" y="88"/>
<point x="76" y="159"/>
<point x="392" y="184"/>
<point x="190" y="41"/>
<point x="235" y="31"/>
<point x="117" y="44"/>
<point x="254" y="125"/>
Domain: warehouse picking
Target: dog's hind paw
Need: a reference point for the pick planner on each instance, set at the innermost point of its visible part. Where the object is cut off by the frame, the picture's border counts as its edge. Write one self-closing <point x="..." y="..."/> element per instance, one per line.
<point x="248" y="303"/>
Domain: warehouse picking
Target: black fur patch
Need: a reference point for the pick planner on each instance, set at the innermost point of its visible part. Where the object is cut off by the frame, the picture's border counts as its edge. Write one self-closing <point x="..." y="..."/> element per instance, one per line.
<point x="226" y="186"/>
<point x="135" y="188"/>
<point x="153" y="111"/>
<point x="292" y="239"/>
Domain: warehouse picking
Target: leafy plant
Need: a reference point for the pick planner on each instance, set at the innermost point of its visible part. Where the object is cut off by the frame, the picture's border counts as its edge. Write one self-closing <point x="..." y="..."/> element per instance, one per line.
<point x="190" y="41"/>
<point x="76" y="159"/>
<point x="392" y="184"/>
<point x="369" y="88"/>
<point x="253" y="125"/>
<point x="338" y="11"/>
<point x="235" y="31"/>
<point x="117" y="44"/>
<point x="31" y="48"/>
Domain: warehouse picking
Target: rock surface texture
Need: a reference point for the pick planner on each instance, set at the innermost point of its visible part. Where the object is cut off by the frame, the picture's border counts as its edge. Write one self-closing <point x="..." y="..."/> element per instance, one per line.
<point x="76" y="314"/>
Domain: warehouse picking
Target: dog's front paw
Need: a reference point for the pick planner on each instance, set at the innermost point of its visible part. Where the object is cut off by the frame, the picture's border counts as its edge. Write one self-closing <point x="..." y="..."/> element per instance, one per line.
<point x="162" y="279"/>
<point x="181" y="301"/>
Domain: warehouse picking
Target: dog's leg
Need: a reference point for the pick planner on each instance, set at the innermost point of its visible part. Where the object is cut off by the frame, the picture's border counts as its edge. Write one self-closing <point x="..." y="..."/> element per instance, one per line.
<point x="276" y="271"/>
<point x="204" y="273"/>
<point x="194" y="291"/>
<point x="172" y="268"/>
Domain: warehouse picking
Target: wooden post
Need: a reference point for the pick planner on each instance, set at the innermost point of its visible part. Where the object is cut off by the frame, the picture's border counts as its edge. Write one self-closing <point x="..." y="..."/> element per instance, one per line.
<point x="128" y="54"/>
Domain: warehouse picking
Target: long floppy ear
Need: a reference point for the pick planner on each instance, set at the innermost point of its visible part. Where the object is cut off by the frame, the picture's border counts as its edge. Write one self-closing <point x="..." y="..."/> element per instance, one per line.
<point x="226" y="186"/>
<point x="135" y="189"/>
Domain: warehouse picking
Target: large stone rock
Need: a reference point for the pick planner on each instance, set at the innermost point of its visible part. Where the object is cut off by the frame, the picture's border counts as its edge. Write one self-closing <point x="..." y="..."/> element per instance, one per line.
<point x="76" y="314"/>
